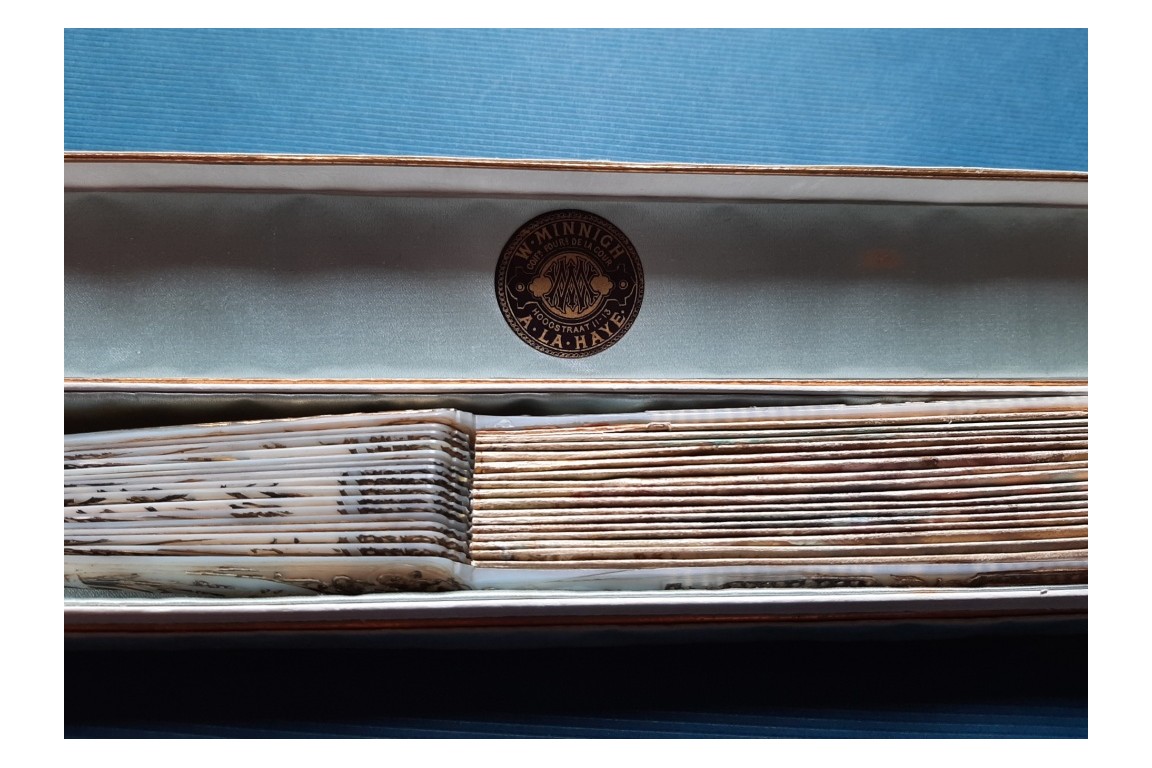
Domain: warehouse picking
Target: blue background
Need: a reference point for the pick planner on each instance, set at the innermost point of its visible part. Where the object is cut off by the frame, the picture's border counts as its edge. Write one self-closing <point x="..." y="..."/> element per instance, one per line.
<point x="990" y="98"/>
<point x="986" y="98"/>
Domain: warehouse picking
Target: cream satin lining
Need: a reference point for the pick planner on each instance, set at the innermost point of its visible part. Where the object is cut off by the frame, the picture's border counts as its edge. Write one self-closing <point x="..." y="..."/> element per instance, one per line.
<point x="291" y="285"/>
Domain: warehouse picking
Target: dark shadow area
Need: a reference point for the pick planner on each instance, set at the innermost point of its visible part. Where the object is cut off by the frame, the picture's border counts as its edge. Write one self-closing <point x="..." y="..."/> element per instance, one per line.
<point x="1021" y="686"/>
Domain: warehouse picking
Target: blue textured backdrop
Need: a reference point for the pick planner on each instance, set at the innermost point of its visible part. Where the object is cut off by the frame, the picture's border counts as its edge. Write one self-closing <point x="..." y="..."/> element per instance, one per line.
<point x="995" y="98"/>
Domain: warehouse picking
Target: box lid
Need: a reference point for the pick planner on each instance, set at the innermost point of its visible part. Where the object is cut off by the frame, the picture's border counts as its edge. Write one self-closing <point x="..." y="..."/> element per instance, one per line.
<point x="347" y="269"/>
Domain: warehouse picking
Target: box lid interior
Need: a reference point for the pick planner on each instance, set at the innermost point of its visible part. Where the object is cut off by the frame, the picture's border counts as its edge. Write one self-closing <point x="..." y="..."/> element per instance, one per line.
<point x="342" y="269"/>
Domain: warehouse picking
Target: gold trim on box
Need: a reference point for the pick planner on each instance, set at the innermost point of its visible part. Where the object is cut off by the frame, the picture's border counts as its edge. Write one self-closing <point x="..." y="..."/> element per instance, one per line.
<point x="472" y="610"/>
<point x="575" y="385"/>
<point x="880" y="171"/>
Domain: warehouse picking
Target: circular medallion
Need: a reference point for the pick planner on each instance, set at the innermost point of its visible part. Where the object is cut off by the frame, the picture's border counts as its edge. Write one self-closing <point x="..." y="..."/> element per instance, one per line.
<point x="569" y="283"/>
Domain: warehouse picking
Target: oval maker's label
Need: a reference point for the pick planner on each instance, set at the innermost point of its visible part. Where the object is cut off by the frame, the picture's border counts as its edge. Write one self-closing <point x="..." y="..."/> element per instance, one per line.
<point x="569" y="283"/>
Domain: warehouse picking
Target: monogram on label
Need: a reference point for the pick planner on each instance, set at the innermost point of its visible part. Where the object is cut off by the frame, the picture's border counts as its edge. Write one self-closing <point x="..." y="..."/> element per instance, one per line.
<point x="569" y="283"/>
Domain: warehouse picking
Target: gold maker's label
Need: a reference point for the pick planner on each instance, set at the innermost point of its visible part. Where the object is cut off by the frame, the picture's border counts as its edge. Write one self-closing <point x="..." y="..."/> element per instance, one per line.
<point x="569" y="283"/>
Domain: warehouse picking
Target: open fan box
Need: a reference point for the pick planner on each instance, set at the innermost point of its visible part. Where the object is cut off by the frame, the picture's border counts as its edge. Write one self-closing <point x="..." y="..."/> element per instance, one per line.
<point x="208" y="287"/>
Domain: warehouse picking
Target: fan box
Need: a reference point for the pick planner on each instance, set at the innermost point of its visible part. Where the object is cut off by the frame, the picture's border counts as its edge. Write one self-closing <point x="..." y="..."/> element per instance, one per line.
<point x="213" y="287"/>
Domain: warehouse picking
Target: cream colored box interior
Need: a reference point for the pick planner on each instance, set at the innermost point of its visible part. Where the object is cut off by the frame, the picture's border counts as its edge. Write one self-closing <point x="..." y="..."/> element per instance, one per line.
<point x="215" y="287"/>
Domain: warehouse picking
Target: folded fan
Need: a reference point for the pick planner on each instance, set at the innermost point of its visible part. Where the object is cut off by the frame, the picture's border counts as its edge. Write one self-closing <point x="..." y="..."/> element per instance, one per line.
<point x="939" y="493"/>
